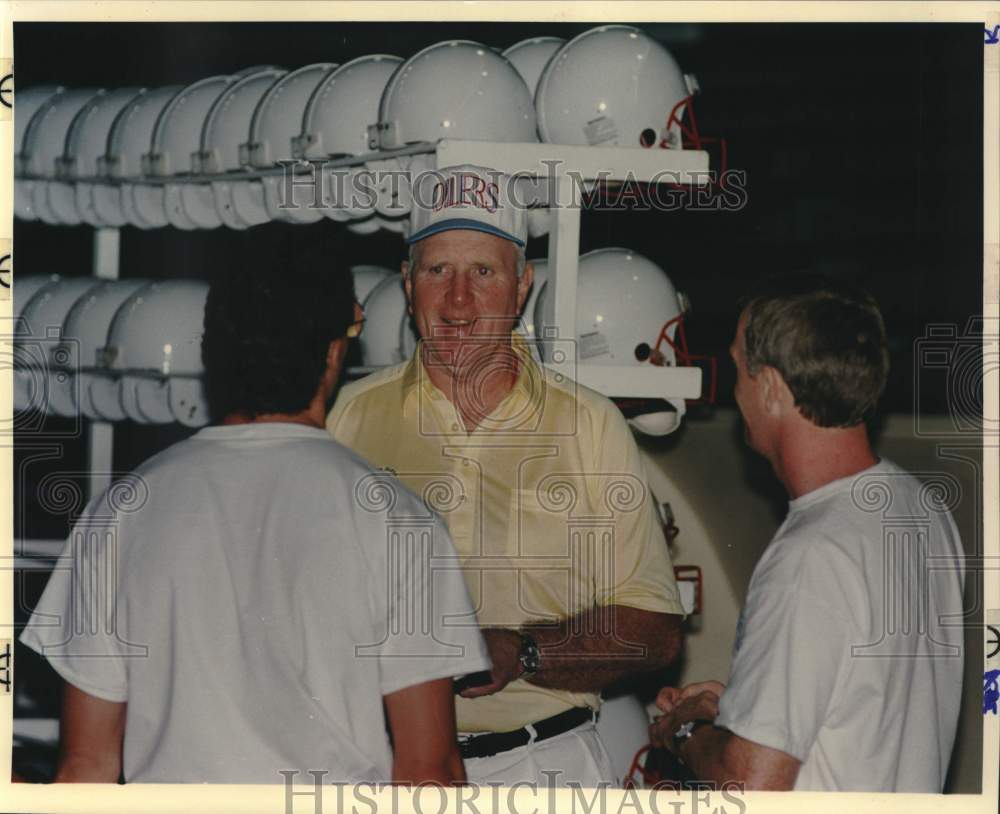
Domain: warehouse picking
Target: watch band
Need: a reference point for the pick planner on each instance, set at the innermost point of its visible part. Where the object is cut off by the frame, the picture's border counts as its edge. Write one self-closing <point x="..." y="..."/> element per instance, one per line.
<point x="529" y="656"/>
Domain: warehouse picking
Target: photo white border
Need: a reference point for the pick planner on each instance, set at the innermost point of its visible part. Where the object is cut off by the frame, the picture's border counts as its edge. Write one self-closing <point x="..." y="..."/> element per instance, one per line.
<point x="271" y="799"/>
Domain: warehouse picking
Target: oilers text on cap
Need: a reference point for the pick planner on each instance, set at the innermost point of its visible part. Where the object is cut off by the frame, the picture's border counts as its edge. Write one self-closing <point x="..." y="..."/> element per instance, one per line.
<point x="466" y="197"/>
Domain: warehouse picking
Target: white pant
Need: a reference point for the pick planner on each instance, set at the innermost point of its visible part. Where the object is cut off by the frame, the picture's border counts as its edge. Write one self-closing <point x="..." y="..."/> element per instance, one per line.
<point x="576" y="756"/>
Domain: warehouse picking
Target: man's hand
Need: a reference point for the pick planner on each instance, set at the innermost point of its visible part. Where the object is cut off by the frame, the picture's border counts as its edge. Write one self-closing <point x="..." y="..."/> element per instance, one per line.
<point x="696" y="702"/>
<point x="715" y="754"/>
<point x="669" y="696"/>
<point x="505" y="650"/>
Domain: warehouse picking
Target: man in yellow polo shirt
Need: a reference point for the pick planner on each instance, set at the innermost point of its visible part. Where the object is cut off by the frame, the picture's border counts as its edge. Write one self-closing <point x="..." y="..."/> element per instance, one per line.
<point x="539" y="481"/>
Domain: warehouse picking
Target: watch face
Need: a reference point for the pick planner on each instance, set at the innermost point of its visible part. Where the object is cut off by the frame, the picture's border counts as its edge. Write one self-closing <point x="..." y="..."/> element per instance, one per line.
<point x="530" y="656"/>
<point x="684" y="731"/>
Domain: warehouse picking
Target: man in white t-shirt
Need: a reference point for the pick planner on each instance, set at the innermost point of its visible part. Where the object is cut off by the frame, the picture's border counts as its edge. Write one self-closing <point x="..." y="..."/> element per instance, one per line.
<point x="256" y="600"/>
<point x="846" y="672"/>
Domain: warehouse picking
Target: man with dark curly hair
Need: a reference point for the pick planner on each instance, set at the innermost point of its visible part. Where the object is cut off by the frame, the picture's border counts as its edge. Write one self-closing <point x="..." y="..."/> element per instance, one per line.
<point x="259" y="621"/>
<point x="846" y="675"/>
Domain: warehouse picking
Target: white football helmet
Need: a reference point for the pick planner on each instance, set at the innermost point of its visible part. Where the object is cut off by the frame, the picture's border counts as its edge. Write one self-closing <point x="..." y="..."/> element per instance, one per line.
<point x="86" y="332"/>
<point x="188" y="402"/>
<point x="627" y="313"/>
<point x="29" y="366"/>
<point x="366" y="278"/>
<point x="364" y="226"/>
<point x="397" y="226"/>
<point x="44" y="142"/>
<point x="173" y="148"/>
<point x="614" y="86"/>
<point x="86" y="142"/>
<point x="276" y="124"/>
<point x="529" y="57"/>
<point x="27" y="103"/>
<point x="239" y="204"/>
<point x="455" y="89"/>
<point x="129" y="139"/>
<point x="45" y="316"/>
<point x="388" y="336"/>
<point x="24" y="288"/>
<point x="335" y="123"/>
<point x="145" y="400"/>
<point x="155" y="336"/>
<point x="342" y="106"/>
<point x="538" y="221"/>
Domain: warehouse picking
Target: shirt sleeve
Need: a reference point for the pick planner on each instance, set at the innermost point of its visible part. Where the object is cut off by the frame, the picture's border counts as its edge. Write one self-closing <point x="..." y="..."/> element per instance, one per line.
<point x="75" y="624"/>
<point x="796" y="639"/>
<point x="641" y="575"/>
<point x="424" y="618"/>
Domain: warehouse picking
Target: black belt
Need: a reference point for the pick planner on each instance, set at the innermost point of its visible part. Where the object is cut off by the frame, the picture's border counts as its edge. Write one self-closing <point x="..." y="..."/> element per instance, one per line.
<point x="492" y="743"/>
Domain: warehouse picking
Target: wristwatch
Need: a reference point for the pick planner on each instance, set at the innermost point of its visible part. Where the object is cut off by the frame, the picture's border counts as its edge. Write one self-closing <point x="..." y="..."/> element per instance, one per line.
<point x="529" y="656"/>
<point x="685" y="731"/>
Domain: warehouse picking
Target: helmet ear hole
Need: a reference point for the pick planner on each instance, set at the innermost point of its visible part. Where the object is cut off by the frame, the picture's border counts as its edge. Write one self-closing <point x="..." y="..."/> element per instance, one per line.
<point x="642" y="351"/>
<point x="647" y="138"/>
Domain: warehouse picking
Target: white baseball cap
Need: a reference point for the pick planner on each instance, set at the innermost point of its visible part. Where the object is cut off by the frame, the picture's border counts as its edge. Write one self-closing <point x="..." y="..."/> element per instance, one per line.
<point x="467" y="197"/>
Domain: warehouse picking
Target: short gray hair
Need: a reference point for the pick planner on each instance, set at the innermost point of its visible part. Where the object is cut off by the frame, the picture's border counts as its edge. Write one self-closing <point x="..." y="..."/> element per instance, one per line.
<point x="521" y="257"/>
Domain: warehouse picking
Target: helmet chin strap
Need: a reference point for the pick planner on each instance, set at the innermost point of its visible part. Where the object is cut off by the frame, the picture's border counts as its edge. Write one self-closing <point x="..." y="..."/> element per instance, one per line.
<point x="683" y="355"/>
<point x="691" y="137"/>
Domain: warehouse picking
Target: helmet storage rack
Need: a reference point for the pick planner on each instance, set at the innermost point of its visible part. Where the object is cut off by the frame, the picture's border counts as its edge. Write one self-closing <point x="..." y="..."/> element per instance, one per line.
<point x="564" y="167"/>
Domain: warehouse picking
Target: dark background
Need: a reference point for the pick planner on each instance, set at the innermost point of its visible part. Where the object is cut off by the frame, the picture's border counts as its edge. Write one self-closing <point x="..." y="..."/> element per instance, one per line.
<point x="861" y="144"/>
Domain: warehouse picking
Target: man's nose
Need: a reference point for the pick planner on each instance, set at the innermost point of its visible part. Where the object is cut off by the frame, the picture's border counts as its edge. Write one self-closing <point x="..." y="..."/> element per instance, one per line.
<point x="458" y="291"/>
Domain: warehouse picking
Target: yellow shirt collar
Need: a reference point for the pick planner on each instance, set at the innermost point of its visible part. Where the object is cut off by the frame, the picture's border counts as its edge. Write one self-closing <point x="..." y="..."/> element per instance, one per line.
<point x="528" y="389"/>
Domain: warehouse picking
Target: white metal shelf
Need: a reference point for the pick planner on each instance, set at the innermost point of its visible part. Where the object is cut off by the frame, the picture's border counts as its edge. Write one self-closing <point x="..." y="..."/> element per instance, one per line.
<point x="566" y="167"/>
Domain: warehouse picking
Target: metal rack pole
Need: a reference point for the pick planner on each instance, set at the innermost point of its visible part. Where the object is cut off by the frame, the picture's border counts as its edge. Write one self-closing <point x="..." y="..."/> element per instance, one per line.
<point x="100" y="434"/>
<point x="564" y="260"/>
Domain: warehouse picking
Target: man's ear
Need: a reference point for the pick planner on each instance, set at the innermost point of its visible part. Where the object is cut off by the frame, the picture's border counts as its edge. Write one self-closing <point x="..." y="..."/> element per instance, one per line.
<point x="407" y="285"/>
<point x="524" y="286"/>
<point x="335" y="354"/>
<point x="775" y="392"/>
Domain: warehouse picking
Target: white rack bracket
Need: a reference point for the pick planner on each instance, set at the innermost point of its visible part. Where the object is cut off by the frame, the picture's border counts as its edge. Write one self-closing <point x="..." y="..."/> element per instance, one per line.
<point x="647" y="382"/>
<point x="586" y="163"/>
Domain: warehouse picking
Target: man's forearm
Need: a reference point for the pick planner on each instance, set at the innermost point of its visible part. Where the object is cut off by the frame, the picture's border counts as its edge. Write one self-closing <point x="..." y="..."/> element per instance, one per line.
<point x="589" y="651"/>
<point x="717" y="755"/>
<point x="413" y="770"/>
<point x="87" y="769"/>
<point x="705" y="755"/>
